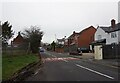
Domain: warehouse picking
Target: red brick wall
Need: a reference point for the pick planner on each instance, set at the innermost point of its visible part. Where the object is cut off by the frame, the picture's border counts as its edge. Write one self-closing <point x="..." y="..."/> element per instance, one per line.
<point x="74" y="39"/>
<point x="59" y="50"/>
<point x="18" y="40"/>
<point x="86" y="37"/>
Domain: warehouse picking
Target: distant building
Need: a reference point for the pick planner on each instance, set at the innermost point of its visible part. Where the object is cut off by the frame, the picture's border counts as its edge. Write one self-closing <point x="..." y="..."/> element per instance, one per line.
<point x="18" y="41"/>
<point x="61" y="41"/>
<point x="60" y="45"/>
<point x="73" y="39"/>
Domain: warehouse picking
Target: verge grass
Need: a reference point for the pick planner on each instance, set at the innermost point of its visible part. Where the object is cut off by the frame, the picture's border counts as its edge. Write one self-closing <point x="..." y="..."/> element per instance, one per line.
<point x="11" y="64"/>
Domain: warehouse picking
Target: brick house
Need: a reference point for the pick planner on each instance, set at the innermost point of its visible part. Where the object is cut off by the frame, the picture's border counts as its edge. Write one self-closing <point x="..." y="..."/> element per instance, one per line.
<point x="18" y="41"/>
<point x="73" y="39"/>
<point x="71" y="42"/>
<point x="80" y="40"/>
<point x="60" y="45"/>
<point x="86" y="37"/>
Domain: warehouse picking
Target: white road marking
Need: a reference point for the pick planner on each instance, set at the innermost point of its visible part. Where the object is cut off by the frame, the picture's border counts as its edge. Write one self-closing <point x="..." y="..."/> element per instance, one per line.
<point x="94" y="71"/>
<point x="65" y="60"/>
<point x="53" y="56"/>
<point x="36" y="72"/>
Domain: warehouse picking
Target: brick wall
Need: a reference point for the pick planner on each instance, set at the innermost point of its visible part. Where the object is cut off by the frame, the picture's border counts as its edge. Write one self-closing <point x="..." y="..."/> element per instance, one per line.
<point x="59" y="50"/>
<point x="18" y="40"/>
<point x="86" y="37"/>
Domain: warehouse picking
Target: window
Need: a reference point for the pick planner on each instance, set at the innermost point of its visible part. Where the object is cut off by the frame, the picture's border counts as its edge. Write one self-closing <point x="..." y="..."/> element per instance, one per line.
<point x="99" y="37"/>
<point x="113" y="35"/>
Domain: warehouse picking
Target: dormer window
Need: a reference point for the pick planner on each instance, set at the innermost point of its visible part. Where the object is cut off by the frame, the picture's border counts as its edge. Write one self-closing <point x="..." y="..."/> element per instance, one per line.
<point x="113" y="35"/>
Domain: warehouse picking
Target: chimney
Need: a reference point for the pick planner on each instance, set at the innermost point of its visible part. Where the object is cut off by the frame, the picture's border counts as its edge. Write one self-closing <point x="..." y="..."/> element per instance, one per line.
<point x="19" y="33"/>
<point x="73" y="32"/>
<point x="113" y="23"/>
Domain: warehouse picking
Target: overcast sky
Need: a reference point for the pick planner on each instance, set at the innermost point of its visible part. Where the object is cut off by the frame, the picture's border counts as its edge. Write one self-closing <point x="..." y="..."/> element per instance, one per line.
<point x="58" y="17"/>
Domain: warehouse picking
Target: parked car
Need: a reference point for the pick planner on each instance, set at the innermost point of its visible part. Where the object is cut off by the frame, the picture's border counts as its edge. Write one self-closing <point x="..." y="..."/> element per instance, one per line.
<point x="84" y="50"/>
<point x="77" y="52"/>
<point x="41" y="49"/>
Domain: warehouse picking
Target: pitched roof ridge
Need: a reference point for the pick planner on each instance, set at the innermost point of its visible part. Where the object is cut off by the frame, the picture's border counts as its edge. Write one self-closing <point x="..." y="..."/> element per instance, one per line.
<point x="86" y="29"/>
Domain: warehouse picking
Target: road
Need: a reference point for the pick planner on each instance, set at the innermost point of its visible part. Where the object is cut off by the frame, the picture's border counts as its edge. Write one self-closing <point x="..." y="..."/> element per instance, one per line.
<point x="62" y="67"/>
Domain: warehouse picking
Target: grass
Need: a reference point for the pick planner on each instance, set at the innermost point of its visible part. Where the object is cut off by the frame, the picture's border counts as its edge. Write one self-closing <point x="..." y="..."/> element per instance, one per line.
<point x="11" y="64"/>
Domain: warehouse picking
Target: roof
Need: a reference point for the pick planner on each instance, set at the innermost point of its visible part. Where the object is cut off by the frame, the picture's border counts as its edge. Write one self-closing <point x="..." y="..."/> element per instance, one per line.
<point x="86" y="29"/>
<point x="81" y="32"/>
<point x="60" y="40"/>
<point x="73" y="35"/>
<point x="19" y="38"/>
<point x="110" y="29"/>
<point x="99" y="42"/>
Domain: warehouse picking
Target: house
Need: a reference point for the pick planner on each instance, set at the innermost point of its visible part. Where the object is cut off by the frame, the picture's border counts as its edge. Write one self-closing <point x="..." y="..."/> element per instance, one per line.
<point x="60" y="45"/>
<point x="85" y="38"/>
<point x="106" y="36"/>
<point x="109" y="34"/>
<point x="61" y="41"/>
<point x="73" y="39"/>
<point x="18" y="41"/>
<point x="81" y="40"/>
<point x="72" y="42"/>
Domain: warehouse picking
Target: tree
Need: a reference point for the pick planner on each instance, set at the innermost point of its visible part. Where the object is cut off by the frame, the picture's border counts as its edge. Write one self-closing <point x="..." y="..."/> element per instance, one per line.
<point x="53" y="44"/>
<point x="33" y="35"/>
<point x="7" y="33"/>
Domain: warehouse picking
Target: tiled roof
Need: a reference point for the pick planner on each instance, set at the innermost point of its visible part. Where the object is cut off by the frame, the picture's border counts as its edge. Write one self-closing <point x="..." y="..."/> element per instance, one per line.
<point x="110" y="29"/>
<point x="60" y="40"/>
<point x="77" y="34"/>
<point x="73" y="35"/>
<point x="86" y="29"/>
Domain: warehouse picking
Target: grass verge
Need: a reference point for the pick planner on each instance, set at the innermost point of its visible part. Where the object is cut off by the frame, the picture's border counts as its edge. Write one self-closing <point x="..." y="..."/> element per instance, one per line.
<point x="11" y="64"/>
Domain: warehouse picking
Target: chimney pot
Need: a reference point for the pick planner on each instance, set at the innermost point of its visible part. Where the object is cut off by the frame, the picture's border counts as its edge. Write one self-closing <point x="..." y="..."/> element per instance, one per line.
<point x="113" y="23"/>
<point x="73" y="32"/>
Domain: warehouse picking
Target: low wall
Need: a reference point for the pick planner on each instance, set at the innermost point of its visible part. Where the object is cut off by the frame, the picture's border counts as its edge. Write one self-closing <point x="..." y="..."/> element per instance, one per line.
<point x="59" y="50"/>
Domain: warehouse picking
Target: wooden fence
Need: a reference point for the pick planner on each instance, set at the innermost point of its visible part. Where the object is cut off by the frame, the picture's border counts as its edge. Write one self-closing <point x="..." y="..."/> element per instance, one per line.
<point x="111" y="51"/>
<point x="14" y="50"/>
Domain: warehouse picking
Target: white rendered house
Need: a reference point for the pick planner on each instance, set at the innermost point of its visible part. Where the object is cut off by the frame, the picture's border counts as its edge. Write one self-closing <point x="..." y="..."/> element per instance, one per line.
<point x="111" y="34"/>
<point x="106" y="36"/>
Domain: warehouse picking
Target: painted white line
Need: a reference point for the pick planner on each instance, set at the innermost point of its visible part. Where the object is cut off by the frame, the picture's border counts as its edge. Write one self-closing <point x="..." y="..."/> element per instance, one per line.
<point x="65" y="60"/>
<point x="94" y="71"/>
<point x="54" y="56"/>
<point x="36" y="72"/>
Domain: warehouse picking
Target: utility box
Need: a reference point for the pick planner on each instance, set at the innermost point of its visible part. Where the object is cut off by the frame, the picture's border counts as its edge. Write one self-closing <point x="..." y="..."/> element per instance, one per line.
<point x="98" y="52"/>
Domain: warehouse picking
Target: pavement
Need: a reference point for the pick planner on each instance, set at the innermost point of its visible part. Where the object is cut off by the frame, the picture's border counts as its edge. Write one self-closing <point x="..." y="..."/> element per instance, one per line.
<point x="89" y="57"/>
<point x="109" y="62"/>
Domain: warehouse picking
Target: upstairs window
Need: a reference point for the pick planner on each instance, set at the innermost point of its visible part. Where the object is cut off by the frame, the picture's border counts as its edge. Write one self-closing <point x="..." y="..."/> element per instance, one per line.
<point x="99" y="37"/>
<point x="113" y="35"/>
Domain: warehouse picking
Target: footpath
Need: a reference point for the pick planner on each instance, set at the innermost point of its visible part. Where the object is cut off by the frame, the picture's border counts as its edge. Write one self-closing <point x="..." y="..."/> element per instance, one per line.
<point x="89" y="57"/>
